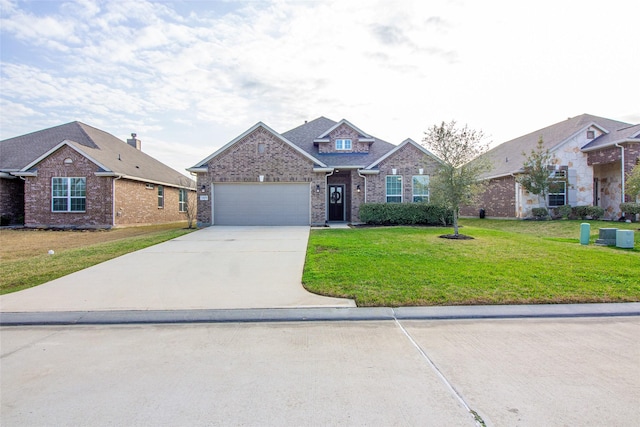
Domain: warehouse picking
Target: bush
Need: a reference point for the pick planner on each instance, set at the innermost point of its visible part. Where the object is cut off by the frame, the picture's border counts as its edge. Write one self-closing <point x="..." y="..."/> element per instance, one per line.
<point x="405" y="214"/>
<point x="564" y="211"/>
<point x="593" y="212"/>
<point x="539" y="213"/>
<point x="630" y="208"/>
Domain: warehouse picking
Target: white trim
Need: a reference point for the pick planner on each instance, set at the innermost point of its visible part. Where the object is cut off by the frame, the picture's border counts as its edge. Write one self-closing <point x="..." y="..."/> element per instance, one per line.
<point x="68" y="197"/>
<point x="399" y="147"/>
<point x="369" y="171"/>
<point x="203" y="169"/>
<point x="582" y="130"/>
<point x="70" y="144"/>
<point x="386" y="190"/>
<point x="344" y="144"/>
<point x="413" y="192"/>
<point x="609" y="144"/>
<point x="201" y="164"/>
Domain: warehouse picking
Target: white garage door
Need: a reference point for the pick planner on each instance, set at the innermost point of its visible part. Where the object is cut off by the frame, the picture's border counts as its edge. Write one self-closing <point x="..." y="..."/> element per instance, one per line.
<point x="261" y="204"/>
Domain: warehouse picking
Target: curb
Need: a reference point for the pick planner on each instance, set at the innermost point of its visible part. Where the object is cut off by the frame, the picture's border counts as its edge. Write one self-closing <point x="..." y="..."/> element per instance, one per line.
<point x="128" y="317"/>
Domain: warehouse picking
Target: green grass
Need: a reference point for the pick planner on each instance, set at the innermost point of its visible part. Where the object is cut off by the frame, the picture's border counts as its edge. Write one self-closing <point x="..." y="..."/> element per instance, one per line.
<point x="29" y="271"/>
<point x="507" y="262"/>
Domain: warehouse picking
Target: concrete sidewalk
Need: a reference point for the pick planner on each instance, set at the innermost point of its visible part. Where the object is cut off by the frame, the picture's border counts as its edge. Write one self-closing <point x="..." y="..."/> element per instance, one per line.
<point x="213" y="268"/>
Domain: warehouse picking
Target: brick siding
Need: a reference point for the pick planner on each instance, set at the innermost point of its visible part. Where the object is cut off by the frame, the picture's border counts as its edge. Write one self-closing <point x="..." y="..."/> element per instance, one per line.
<point x="408" y="160"/>
<point x="12" y="201"/>
<point x="343" y="132"/>
<point x="138" y="205"/>
<point x="498" y="200"/>
<point x="278" y="163"/>
<point x="38" y="193"/>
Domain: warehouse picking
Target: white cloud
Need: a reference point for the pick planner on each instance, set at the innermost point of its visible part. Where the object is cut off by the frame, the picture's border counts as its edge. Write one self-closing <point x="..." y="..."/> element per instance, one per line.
<point x="210" y="70"/>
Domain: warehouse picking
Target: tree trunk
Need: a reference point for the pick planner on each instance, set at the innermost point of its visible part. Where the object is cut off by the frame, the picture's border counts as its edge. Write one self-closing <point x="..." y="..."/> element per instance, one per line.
<point x="455" y="222"/>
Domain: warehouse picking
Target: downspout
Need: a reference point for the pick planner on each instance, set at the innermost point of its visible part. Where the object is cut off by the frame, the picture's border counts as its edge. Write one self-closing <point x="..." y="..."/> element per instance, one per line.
<point x="621" y="168"/>
<point x="113" y="200"/>
<point x="365" y="185"/>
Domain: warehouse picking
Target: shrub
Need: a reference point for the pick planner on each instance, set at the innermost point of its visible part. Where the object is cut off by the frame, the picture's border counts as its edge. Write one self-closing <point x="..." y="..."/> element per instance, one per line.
<point x="630" y="208"/>
<point x="405" y="214"/>
<point x="564" y="211"/>
<point x="539" y="213"/>
<point x="593" y="212"/>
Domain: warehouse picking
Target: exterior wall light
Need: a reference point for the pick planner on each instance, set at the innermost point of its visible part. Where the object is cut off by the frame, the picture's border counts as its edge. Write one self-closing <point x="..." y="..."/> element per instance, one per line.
<point x="203" y="188"/>
<point x="420" y="171"/>
<point x="317" y="188"/>
<point x="358" y="188"/>
<point x="261" y="178"/>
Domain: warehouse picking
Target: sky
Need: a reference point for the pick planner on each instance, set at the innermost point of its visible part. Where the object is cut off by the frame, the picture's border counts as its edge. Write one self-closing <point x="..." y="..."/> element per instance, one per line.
<point x="189" y="76"/>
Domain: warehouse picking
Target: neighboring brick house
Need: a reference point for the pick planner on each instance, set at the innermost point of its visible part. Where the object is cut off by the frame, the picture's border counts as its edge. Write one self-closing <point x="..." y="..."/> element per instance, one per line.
<point x="77" y="176"/>
<point x="592" y="156"/>
<point x="318" y="172"/>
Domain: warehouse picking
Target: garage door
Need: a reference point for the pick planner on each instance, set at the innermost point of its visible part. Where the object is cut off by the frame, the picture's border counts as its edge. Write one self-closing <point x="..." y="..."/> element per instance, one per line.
<point x="261" y="204"/>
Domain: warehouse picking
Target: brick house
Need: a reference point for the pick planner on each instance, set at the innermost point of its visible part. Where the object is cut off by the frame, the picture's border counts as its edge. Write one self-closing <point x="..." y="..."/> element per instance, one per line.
<point x="592" y="156"/>
<point x="77" y="176"/>
<point x="318" y="172"/>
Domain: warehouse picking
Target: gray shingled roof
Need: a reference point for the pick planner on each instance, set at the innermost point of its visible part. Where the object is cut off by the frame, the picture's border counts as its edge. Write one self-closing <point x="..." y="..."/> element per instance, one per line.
<point x="507" y="157"/>
<point x="112" y="153"/>
<point x="303" y="137"/>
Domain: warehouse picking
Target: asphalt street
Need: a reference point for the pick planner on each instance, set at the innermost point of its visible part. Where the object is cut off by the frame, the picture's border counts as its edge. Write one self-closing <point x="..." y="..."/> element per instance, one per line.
<point x="500" y="372"/>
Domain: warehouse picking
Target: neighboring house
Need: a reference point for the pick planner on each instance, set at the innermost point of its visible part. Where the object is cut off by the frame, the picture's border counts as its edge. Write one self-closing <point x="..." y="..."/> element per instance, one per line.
<point x="77" y="176"/>
<point x="318" y="172"/>
<point x="592" y="155"/>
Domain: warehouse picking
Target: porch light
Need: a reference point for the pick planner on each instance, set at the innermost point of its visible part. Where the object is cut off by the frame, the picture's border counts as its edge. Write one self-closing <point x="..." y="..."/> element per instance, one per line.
<point x="261" y="178"/>
<point x="317" y="188"/>
<point x="394" y="171"/>
<point x="203" y="188"/>
<point x="358" y="188"/>
<point x="421" y="171"/>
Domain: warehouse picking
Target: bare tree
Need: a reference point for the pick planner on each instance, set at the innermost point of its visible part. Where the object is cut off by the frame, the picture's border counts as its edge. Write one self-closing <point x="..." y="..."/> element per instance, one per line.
<point x="457" y="181"/>
<point x="189" y="200"/>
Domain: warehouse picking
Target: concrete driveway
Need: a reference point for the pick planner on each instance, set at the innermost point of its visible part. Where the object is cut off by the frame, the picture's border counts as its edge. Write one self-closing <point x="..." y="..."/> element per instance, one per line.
<point x="213" y="268"/>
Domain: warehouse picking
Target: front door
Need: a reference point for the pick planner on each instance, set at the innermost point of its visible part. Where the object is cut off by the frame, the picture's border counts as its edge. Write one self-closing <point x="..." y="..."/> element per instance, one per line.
<point x="336" y="203"/>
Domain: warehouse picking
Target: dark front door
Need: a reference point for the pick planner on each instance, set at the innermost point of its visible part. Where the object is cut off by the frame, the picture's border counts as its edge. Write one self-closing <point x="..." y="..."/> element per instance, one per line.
<point x="336" y="203"/>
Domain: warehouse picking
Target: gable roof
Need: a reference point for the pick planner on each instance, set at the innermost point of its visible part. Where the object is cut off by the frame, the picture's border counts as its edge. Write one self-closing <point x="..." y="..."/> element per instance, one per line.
<point x="304" y="136"/>
<point x="407" y="141"/>
<point x="258" y="125"/>
<point x="111" y="154"/>
<point x="325" y="136"/>
<point x="507" y="158"/>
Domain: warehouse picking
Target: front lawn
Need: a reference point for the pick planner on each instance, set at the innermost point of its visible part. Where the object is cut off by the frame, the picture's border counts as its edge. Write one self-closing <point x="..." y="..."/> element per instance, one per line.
<point x="508" y="262"/>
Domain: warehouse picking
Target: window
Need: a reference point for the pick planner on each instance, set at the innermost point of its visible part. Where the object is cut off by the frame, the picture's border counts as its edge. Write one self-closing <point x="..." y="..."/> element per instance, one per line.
<point x="591" y="134"/>
<point x="394" y="189"/>
<point x="558" y="189"/>
<point x="182" y="202"/>
<point x="420" y="185"/>
<point x="68" y="194"/>
<point x="343" y="144"/>
<point x="160" y="196"/>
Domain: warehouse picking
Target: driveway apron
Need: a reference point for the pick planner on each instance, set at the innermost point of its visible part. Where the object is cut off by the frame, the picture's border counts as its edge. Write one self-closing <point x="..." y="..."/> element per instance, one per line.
<point x="216" y="267"/>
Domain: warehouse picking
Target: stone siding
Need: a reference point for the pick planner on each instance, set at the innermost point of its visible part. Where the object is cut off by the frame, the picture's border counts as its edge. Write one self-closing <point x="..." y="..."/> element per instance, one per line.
<point x="242" y="162"/>
<point x="12" y="201"/>
<point x="37" y="190"/>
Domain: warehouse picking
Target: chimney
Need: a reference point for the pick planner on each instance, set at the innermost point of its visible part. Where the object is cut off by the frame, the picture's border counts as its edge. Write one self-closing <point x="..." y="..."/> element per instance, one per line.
<point x="135" y="142"/>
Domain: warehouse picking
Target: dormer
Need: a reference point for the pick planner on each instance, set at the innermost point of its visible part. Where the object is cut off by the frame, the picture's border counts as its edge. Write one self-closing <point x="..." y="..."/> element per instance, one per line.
<point x="343" y="138"/>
